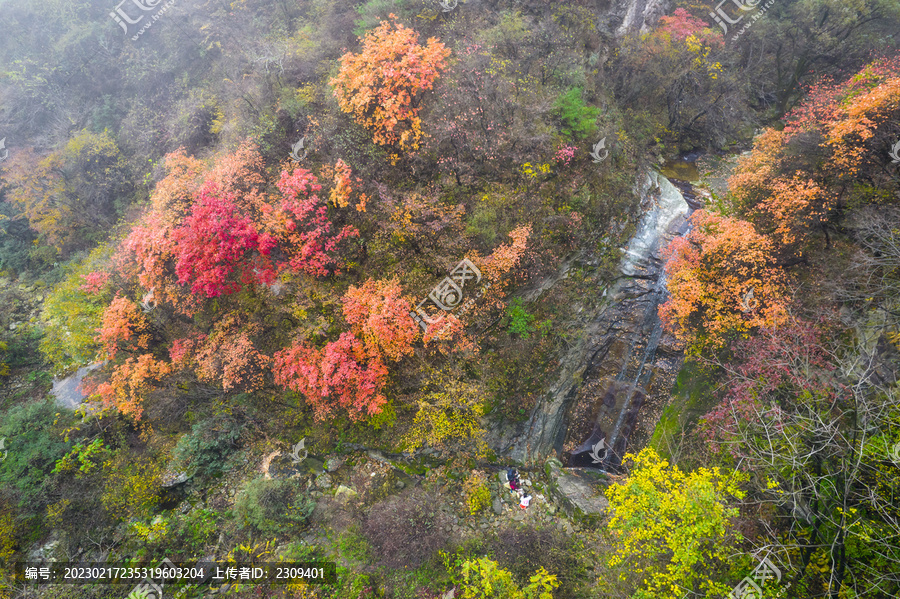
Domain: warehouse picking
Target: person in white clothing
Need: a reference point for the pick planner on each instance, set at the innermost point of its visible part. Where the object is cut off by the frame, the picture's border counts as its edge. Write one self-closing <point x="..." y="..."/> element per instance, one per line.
<point x="525" y="501"/>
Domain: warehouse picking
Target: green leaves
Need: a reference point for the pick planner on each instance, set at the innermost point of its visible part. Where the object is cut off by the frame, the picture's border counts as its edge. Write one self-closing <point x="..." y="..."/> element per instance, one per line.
<point x="579" y="121"/>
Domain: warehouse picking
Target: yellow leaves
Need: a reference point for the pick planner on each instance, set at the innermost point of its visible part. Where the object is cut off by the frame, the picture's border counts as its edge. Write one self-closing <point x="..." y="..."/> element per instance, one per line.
<point x="477" y="491"/>
<point x="533" y="171"/>
<point x="158" y="528"/>
<point x="483" y="578"/>
<point x="667" y="522"/>
<point x="70" y="191"/>
<point x="449" y="413"/>
<point x="7" y="536"/>
<point x="132" y="486"/>
<point x="56" y="512"/>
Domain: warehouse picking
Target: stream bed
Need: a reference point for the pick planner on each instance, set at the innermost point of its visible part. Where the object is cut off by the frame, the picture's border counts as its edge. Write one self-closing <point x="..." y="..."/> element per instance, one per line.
<point x="616" y="380"/>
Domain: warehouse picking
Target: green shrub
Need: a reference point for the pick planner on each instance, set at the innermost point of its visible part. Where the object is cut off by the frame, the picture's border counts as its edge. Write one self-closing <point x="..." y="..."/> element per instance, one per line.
<point x="579" y="120"/>
<point x="204" y="451"/>
<point x="483" y="224"/>
<point x="32" y="451"/>
<point x="197" y="528"/>
<point x="519" y="319"/>
<point x="272" y="507"/>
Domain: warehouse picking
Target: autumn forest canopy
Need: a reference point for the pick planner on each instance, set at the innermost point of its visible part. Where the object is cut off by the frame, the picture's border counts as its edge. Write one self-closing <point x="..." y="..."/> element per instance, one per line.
<point x="298" y="281"/>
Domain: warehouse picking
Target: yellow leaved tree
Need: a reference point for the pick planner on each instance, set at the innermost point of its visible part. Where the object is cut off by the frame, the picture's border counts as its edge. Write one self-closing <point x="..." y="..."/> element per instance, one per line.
<point x="672" y="528"/>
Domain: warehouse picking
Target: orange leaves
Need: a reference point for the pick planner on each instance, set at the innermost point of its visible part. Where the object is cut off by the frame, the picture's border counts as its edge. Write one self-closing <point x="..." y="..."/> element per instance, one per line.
<point x="831" y="154"/>
<point x="786" y="205"/>
<point x="172" y="195"/>
<point x="378" y="314"/>
<point x="380" y="86"/>
<point x="792" y="208"/>
<point x="124" y="327"/>
<point x="341" y="173"/>
<point x="861" y="118"/>
<point x="130" y="383"/>
<point x="710" y="276"/>
<point x="227" y="356"/>
<point x="500" y="262"/>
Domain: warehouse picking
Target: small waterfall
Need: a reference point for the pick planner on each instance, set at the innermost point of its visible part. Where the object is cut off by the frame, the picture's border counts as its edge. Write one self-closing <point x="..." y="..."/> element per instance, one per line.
<point x="618" y="357"/>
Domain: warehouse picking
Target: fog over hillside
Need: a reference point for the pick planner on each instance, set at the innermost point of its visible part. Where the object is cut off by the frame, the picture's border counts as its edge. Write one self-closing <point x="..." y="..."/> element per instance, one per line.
<point x="449" y="299"/>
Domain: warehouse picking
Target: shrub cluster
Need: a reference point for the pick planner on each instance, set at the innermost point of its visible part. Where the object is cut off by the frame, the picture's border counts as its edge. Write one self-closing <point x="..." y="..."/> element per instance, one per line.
<point x="272" y="507"/>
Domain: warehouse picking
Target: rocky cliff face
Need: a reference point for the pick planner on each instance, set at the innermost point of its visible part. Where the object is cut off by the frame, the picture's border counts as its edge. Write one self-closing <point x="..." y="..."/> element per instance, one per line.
<point x="632" y="16"/>
<point x="623" y="359"/>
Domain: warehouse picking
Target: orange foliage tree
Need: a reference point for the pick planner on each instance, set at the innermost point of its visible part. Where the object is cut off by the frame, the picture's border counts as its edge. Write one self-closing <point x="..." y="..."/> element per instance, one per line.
<point x="723" y="282"/>
<point x="382" y="85"/>
<point x="831" y="155"/>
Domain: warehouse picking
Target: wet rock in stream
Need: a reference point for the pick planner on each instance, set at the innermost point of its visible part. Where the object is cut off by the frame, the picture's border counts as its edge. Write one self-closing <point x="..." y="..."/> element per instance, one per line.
<point x="624" y="361"/>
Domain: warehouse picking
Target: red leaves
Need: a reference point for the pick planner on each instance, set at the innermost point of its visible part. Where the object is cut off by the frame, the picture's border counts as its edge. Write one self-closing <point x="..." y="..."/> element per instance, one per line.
<point x="336" y="376"/>
<point x="211" y="231"/>
<point x="681" y="25"/>
<point x="231" y="231"/>
<point x="350" y="373"/>
<point x="211" y="243"/>
<point x="94" y="282"/>
<point x="787" y="363"/>
<point x="302" y="227"/>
